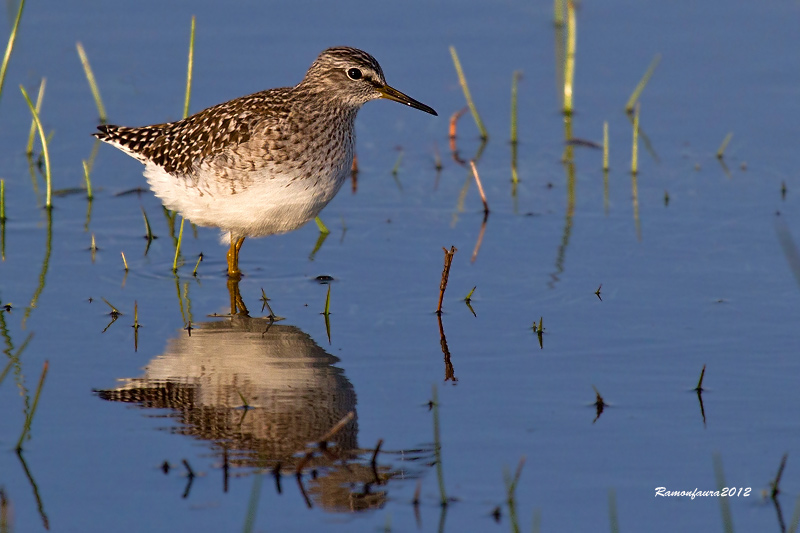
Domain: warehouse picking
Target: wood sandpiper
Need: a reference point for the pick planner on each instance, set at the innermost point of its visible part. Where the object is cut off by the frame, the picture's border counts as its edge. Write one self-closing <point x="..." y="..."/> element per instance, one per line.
<point x="265" y="163"/>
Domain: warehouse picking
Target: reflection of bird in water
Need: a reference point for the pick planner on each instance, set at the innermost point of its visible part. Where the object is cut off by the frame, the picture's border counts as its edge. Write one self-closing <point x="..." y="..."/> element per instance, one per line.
<point x="293" y="391"/>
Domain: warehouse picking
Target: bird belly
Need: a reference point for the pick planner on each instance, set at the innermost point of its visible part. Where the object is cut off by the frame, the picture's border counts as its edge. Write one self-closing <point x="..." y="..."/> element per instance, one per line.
<point x="260" y="203"/>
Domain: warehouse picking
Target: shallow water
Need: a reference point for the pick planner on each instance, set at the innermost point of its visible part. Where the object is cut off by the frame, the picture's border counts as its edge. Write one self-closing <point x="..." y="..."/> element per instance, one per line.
<point x="700" y="280"/>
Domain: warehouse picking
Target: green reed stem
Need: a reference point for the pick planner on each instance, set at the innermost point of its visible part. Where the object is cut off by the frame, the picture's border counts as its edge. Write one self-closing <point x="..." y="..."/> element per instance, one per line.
<point x="605" y="146"/>
<point x="45" y="151"/>
<point x="29" y="419"/>
<point x="2" y="200"/>
<point x="39" y="97"/>
<point x="569" y="63"/>
<point x="101" y="110"/>
<point x="178" y="247"/>
<point x="724" y="145"/>
<point x="189" y="71"/>
<point x="640" y="86"/>
<point x="10" y="46"/>
<point x="321" y="225"/>
<point x="464" y="87"/>
<point x="197" y="265"/>
<point x="635" y="149"/>
<point x="437" y="447"/>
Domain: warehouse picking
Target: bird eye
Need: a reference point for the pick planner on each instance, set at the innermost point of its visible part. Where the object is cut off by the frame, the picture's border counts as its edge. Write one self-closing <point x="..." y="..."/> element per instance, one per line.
<point x="354" y="74"/>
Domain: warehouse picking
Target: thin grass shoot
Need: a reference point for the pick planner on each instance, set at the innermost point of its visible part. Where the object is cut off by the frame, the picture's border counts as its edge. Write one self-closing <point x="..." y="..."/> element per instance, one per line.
<point x="642" y="83"/>
<point x="45" y="151"/>
<point x="10" y="46"/>
<point x="189" y="71"/>
<point x="87" y="68"/>
<point x="32" y="132"/>
<point x="465" y="88"/>
<point x="724" y="145"/>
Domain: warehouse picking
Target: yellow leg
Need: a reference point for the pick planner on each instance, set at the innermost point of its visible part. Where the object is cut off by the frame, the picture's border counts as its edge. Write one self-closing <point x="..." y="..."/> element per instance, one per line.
<point x="233" y="257"/>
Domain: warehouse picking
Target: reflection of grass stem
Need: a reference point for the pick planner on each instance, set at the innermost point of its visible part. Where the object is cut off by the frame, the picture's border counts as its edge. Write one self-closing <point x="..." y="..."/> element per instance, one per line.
<point x="511" y="487"/>
<point x="558" y="13"/>
<point x="32" y="133"/>
<point x="10" y="46"/>
<point x="514" y="82"/>
<point x="29" y="419"/>
<point x="45" y="151"/>
<point x="396" y="167"/>
<point x="327" y="310"/>
<point x="640" y="86"/>
<point x="437" y="447"/>
<point x="635" y="148"/>
<point x="724" y="145"/>
<point x="569" y="63"/>
<point x="725" y="509"/>
<point x="464" y="87"/>
<point x="178" y="247"/>
<point x="88" y="181"/>
<point x="101" y="110"/>
<point x="189" y="72"/>
<point x="252" y="504"/>
<point x="612" y="511"/>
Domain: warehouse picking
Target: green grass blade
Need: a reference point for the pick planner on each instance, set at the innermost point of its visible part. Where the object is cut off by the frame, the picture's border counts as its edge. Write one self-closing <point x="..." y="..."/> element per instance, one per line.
<point x="10" y="46"/>
<point x="189" y="71"/>
<point x="464" y="87"/>
<point x="101" y="110"/>
<point x="45" y="151"/>
<point x="32" y="133"/>
<point x="640" y="86"/>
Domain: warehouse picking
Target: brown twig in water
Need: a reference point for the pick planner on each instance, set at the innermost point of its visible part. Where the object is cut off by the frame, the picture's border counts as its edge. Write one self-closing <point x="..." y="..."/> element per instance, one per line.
<point x="448" y="260"/>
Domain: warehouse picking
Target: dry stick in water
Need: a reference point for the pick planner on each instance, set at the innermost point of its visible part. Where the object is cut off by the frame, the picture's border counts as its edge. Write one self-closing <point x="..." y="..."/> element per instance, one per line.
<point x="45" y="151"/>
<point x="480" y="187"/>
<point x="640" y="86"/>
<point x="605" y="146"/>
<point x="10" y="46"/>
<point x="448" y="260"/>
<point x="101" y="110"/>
<point x="463" y="81"/>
